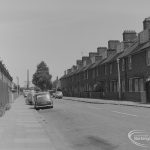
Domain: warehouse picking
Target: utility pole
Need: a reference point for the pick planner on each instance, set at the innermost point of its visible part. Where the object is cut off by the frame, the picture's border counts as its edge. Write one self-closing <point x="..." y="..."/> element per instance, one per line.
<point x="27" y="78"/>
<point x="119" y="82"/>
<point x="17" y="85"/>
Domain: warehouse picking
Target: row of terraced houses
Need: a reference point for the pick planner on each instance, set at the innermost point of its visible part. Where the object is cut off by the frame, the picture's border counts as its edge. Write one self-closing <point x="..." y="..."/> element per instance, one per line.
<point x="119" y="71"/>
<point x="5" y="86"/>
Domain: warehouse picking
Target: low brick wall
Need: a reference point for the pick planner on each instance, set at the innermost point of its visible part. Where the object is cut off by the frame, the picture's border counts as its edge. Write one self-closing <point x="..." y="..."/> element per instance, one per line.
<point x="96" y="95"/>
<point x="111" y="95"/>
<point x="132" y="96"/>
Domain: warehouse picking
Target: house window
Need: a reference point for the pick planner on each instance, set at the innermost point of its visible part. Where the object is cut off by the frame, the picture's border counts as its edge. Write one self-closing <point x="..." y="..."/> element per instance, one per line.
<point x="105" y="69"/>
<point x="97" y="71"/>
<point x="117" y="86"/>
<point x="87" y="74"/>
<point x="110" y="68"/>
<point x="111" y="86"/>
<point x="106" y="86"/>
<point x="114" y="86"/>
<point x="123" y="85"/>
<point x="141" y="84"/>
<point x="148" y="57"/>
<point x="130" y="85"/>
<point x="93" y="73"/>
<point x="130" y="62"/>
<point x="136" y="85"/>
<point x="123" y="64"/>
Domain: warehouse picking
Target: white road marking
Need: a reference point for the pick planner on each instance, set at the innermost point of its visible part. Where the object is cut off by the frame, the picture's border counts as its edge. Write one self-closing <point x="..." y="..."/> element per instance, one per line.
<point x="36" y="130"/>
<point x="34" y="125"/>
<point x="124" y="113"/>
<point x="32" y="140"/>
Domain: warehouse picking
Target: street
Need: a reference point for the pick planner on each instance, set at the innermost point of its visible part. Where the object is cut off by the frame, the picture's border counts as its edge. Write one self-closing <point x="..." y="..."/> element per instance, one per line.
<point x="81" y="126"/>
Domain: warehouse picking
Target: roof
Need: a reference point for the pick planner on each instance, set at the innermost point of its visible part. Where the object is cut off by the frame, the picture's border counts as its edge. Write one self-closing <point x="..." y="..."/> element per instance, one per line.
<point x="134" y="49"/>
<point x="97" y="63"/>
<point x="81" y="69"/>
<point x="141" y="47"/>
<point x="88" y="66"/>
<point x="111" y="58"/>
<point x="147" y="19"/>
<point x="116" y="57"/>
<point x="128" y="50"/>
<point x="74" y="72"/>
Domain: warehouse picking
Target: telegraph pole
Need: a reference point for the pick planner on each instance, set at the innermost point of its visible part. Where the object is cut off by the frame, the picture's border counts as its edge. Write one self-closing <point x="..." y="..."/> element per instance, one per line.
<point x="17" y="85"/>
<point x="28" y="79"/>
<point x="119" y="82"/>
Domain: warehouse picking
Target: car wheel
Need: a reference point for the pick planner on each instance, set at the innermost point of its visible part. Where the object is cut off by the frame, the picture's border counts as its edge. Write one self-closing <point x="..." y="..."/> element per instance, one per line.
<point x="36" y="107"/>
<point x="51" y="107"/>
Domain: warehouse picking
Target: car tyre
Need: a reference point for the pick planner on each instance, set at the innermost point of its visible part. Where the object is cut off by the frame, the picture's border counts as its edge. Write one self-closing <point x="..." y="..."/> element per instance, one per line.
<point x="36" y="107"/>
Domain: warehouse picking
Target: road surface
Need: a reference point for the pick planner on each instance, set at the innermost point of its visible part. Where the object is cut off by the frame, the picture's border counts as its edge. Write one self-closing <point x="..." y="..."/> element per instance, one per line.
<point x="81" y="126"/>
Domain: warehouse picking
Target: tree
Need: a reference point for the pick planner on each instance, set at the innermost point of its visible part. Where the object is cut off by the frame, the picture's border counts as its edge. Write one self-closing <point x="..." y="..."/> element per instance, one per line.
<point x="42" y="78"/>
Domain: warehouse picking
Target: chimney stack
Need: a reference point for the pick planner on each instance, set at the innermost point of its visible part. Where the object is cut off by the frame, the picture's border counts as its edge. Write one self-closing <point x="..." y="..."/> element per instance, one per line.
<point x="73" y="68"/>
<point x="86" y="60"/>
<point x="146" y="23"/>
<point x="129" y="37"/>
<point x="112" y="44"/>
<point x="79" y="64"/>
<point x="101" y="50"/>
<point x="92" y="54"/>
<point x="111" y="52"/>
<point x="68" y="71"/>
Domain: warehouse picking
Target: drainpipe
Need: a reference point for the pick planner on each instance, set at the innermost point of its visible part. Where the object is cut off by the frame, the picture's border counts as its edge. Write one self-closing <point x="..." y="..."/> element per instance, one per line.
<point x="119" y="83"/>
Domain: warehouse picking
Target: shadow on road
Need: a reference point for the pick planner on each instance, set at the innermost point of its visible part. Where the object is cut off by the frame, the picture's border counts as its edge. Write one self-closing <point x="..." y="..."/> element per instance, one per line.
<point x="95" y="143"/>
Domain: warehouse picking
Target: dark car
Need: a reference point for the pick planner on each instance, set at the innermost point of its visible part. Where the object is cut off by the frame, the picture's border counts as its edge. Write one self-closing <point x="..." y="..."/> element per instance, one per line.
<point x="25" y="93"/>
<point x="42" y="100"/>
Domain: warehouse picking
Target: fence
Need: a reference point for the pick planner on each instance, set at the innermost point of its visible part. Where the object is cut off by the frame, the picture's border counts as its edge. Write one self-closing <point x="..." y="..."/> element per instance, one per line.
<point x="6" y="96"/>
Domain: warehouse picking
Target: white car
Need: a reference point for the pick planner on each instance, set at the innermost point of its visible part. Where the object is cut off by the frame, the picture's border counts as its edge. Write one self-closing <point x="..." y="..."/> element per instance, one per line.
<point x="58" y="94"/>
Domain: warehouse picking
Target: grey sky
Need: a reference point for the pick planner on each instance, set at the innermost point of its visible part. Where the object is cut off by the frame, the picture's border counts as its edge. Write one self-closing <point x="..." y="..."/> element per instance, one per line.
<point x="58" y="31"/>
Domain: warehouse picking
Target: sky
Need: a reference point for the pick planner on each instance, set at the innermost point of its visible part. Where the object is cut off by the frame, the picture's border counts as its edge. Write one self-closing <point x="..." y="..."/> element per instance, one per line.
<point x="61" y="31"/>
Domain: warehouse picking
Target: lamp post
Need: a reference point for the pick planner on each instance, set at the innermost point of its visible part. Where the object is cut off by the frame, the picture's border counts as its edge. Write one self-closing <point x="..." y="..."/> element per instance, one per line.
<point x="119" y="83"/>
<point x="17" y="85"/>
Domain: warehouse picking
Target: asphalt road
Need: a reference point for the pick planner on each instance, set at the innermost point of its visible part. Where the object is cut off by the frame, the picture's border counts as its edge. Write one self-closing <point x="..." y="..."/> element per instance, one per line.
<point x="81" y="126"/>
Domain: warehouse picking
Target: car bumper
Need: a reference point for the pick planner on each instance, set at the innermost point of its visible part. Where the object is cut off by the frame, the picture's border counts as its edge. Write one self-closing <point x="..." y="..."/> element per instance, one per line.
<point x="58" y="96"/>
<point x="44" y="106"/>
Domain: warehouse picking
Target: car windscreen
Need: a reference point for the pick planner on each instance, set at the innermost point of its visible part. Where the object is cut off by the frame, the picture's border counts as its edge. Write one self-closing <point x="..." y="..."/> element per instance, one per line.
<point x="44" y="97"/>
<point x="59" y="92"/>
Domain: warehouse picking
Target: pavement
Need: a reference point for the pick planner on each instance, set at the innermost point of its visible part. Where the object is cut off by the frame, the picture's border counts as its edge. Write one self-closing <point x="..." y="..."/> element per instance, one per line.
<point x="21" y="128"/>
<point x="105" y="101"/>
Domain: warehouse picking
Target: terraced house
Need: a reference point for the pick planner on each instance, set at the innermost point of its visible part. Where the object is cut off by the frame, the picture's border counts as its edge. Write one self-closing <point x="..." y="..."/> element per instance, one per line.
<point x="119" y="71"/>
<point x="5" y="85"/>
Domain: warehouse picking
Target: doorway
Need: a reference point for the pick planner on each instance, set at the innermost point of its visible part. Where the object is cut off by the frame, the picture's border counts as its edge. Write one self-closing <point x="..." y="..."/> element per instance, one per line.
<point x="147" y="91"/>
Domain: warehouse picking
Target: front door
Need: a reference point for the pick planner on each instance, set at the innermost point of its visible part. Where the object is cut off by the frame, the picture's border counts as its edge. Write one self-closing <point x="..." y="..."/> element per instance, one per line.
<point x="148" y="91"/>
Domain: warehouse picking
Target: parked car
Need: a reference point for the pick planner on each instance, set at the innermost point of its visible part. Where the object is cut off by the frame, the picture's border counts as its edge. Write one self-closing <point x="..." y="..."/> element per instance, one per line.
<point x="52" y="93"/>
<point x="30" y="98"/>
<point x="42" y="100"/>
<point x="25" y="93"/>
<point x="58" y="94"/>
